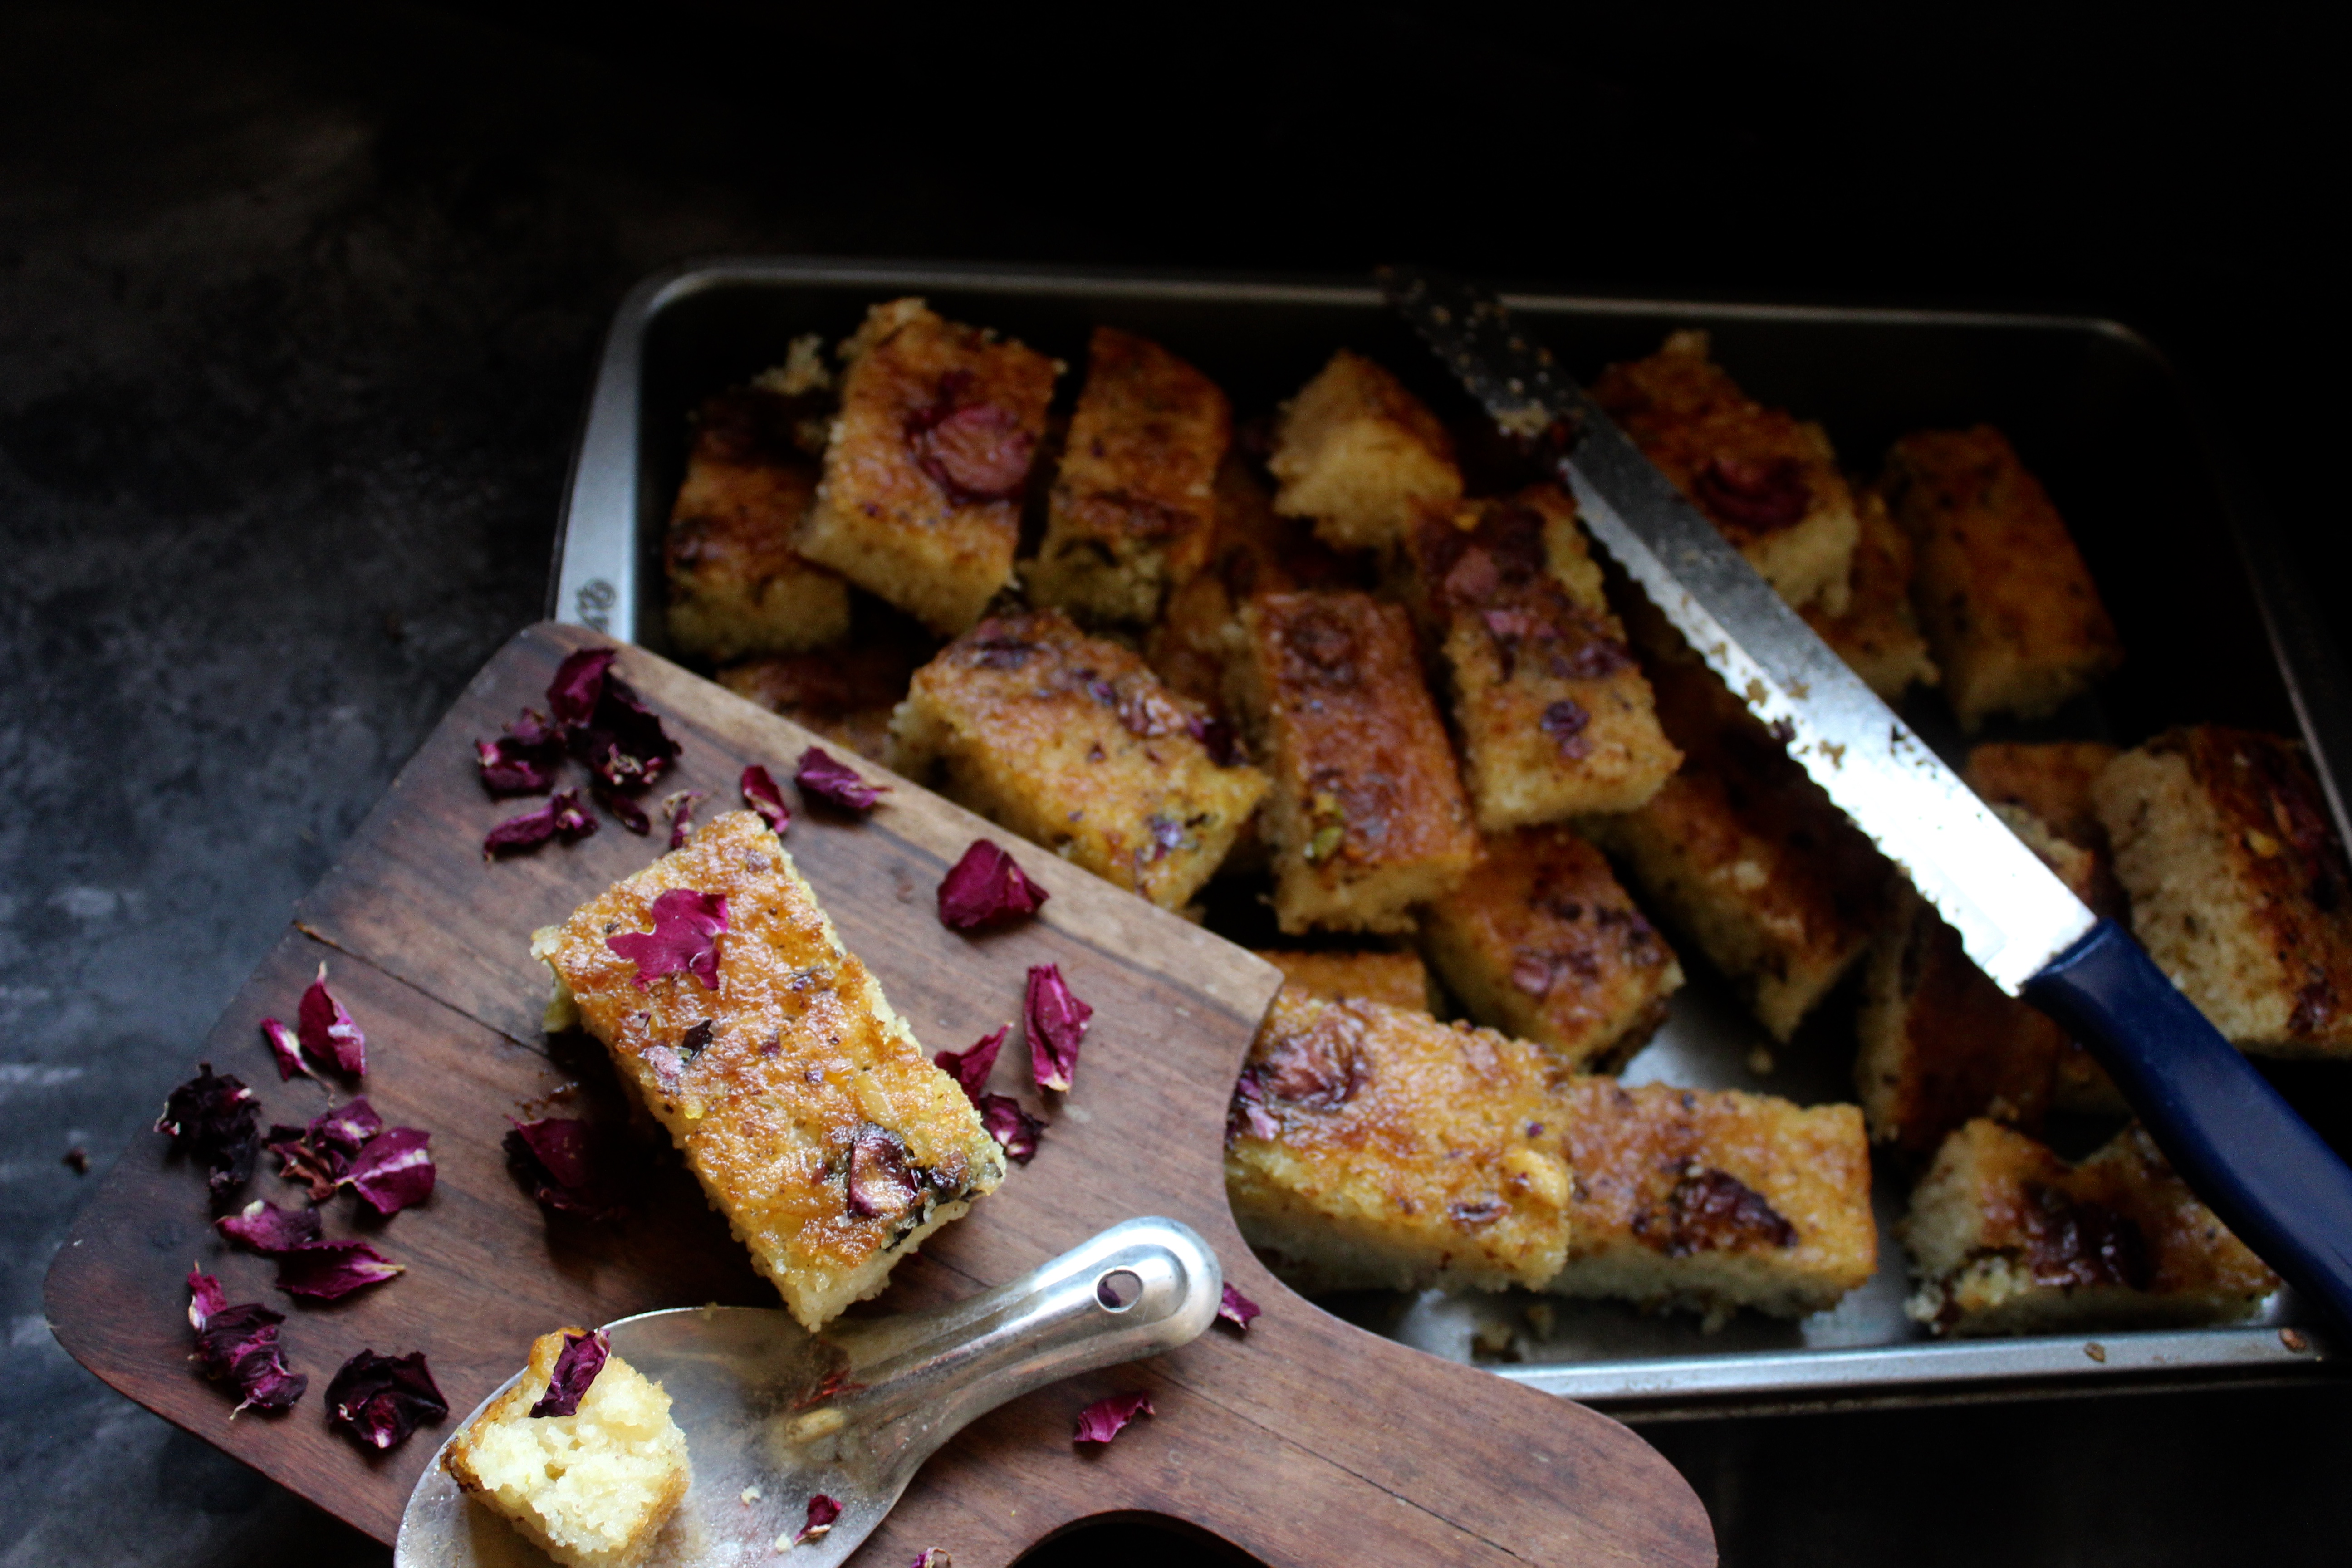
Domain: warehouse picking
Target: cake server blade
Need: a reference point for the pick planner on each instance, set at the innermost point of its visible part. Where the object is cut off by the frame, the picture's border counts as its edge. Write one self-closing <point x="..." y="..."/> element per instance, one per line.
<point x="774" y="1415"/>
<point x="2259" y="1166"/>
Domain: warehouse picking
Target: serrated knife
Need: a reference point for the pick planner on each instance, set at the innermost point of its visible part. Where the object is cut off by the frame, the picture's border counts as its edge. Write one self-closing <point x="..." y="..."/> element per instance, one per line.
<point x="2245" y="1151"/>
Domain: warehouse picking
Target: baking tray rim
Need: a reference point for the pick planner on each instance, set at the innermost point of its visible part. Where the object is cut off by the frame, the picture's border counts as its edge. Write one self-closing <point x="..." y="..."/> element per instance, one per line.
<point x="594" y="582"/>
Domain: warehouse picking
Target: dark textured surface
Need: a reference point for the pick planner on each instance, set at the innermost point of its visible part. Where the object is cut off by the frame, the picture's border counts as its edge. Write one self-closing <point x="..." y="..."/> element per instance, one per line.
<point x="296" y="314"/>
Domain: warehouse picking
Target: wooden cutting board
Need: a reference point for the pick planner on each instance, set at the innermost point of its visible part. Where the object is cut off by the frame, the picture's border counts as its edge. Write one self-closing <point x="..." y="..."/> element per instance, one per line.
<point x="1305" y="1441"/>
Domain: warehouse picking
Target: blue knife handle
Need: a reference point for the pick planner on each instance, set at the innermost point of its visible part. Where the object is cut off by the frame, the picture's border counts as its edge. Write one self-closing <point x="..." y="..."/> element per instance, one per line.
<point x="2231" y="1135"/>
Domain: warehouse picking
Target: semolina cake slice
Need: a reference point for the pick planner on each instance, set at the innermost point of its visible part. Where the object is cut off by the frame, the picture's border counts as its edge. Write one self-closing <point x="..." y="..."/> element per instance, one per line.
<point x="1941" y="1044"/>
<point x="1746" y="857"/>
<point x="803" y="1104"/>
<point x="845" y="694"/>
<point x="2052" y="779"/>
<point x="920" y="499"/>
<point x="736" y="586"/>
<point x="1555" y="716"/>
<point x="2006" y="1237"/>
<point x="1712" y="1200"/>
<point x="1540" y="942"/>
<point x="1394" y="979"/>
<point x="1071" y="741"/>
<point x="1878" y="635"/>
<point x="1133" y="505"/>
<point x="1366" y="817"/>
<point x="2009" y="606"/>
<point x="1361" y="456"/>
<point x="2238" y="884"/>
<point x="1370" y="1147"/>
<point x="1252" y="549"/>
<point x="1769" y="481"/>
<point x="592" y="1487"/>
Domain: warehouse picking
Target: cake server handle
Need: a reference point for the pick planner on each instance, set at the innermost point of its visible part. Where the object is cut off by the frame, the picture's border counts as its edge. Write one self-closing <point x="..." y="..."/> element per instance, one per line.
<point x="2271" y="1179"/>
<point x="1140" y="1287"/>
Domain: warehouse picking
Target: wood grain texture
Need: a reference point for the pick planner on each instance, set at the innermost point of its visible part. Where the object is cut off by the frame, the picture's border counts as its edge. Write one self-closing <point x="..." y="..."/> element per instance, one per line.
<point x="1305" y="1441"/>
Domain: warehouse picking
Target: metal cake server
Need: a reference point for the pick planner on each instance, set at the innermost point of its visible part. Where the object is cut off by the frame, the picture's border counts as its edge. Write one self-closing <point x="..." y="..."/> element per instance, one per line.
<point x="774" y="1415"/>
<point x="2270" y="1177"/>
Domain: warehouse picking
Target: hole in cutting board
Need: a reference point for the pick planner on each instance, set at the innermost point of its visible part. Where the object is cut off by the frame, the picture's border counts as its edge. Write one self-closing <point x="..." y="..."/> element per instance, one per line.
<point x="1136" y="1540"/>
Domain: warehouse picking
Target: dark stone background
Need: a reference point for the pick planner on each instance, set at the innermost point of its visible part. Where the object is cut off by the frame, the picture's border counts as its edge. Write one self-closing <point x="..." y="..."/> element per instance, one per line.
<point x="297" y="306"/>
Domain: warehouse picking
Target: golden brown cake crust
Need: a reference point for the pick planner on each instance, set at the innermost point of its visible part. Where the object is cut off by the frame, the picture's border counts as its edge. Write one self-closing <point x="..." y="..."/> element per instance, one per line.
<point x="1071" y="741"/>
<point x="1769" y="482"/>
<point x="1391" y="979"/>
<point x="1367" y="814"/>
<point x="2008" y="603"/>
<point x="891" y="514"/>
<point x="2238" y="883"/>
<point x="1878" y="635"/>
<point x="1556" y="717"/>
<point x="1386" y="1149"/>
<point x="1133" y="505"/>
<point x="2007" y="1237"/>
<point x="2052" y="779"/>
<point x="1714" y="1199"/>
<point x="1541" y="942"/>
<point x="736" y="584"/>
<point x="1361" y="456"/>
<point x="767" y="1083"/>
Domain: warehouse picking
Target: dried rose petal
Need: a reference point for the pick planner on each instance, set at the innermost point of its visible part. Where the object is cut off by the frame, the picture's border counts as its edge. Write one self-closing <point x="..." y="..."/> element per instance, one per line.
<point x="213" y="1117"/>
<point x="204" y="1298"/>
<point x="269" y="1229"/>
<point x="393" y="1172"/>
<point x="620" y="807"/>
<point x="932" y="1557"/>
<point x="576" y="1368"/>
<point x="554" y="1159"/>
<point x="287" y="1049"/>
<point x="380" y="1400"/>
<point x="1248" y="1113"/>
<point x="327" y="1031"/>
<point x="821" y="1511"/>
<point x="1763" y="496"/>
<point x="1055" y="1022"/>
<point x="1237" y="1309"/>
<point x="1218" y="738"/>
<point x="579" y="682"/>
<point x="878" y="1186"/>
<point x="563" y="816"/>
<point x="522" y="761"/>
<point x="760" y="794"/>
<point x="300" y="1159"/>
<point x="835" y="783"/>
<point x="1011" y="1126"/>
<point x="345" y="1127"/>
<point x="1565" y="722"/>
<point x="684" y="937"/>
<point x="328" y="1270"/>
<point x="623" y="744"/>
<point x="678" y="806"/>
<point x="239" y="1344"/>
<point x="976" y="453"/>
<point x="1107" y="1416"/>
<point x="971" y="1068"/>
<point x="985" y="886"/>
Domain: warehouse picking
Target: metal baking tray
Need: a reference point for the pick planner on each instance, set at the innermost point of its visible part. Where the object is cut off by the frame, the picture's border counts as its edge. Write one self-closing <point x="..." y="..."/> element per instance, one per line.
<point x="2215" y="627"/>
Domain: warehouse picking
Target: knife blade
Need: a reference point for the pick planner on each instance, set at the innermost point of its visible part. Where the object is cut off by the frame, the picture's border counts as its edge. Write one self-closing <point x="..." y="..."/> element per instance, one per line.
<point x="2280" y="1186"/>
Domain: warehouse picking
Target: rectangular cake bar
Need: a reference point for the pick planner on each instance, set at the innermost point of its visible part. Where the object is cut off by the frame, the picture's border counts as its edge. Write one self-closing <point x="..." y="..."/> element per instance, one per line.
<point x="1361" y="456"/>
<point x="1367" y="816"/>
<point x="1071" y="741"/>
<point x="1555" y="716"/>
<point x="1133" y="506"/>
<point x="804" y="1106"/>
<point x="920" y="501"/>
